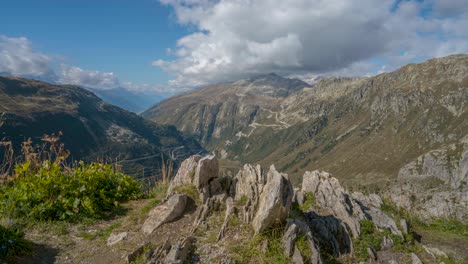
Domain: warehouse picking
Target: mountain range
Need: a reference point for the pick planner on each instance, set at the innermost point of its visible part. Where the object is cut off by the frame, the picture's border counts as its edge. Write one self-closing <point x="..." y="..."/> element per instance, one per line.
<point x="91" y="127"/>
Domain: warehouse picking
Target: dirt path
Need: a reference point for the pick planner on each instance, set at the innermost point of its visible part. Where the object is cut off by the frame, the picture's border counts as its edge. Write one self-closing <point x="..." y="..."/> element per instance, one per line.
<point x="88" y="243"/>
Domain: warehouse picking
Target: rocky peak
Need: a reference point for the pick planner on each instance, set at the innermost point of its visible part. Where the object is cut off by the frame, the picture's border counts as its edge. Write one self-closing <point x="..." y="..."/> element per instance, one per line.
<point x="270" y="85"/>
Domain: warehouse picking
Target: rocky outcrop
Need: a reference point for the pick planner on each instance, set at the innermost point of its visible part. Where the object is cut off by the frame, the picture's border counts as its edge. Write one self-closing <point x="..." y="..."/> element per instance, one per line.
<point x="330" y="196"/>
<point x="275" y="201"/>
<point x="435" y="185"/>
<point x="165" y="212"/>
<point x="295" y="228"/>
<point x="185" y="174"/>
<point x="267" y="197"/>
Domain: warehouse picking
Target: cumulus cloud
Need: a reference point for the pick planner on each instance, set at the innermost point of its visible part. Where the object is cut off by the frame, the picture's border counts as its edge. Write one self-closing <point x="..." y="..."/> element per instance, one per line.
<point x="239" y="38"/>
<point x="95" y="79"/>
<point x="17" y="57"/>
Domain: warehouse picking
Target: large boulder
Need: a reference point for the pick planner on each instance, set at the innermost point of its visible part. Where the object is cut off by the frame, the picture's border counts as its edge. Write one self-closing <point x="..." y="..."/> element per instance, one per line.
<point x="166" y="212"/>
<point x="186" y="173"/>
<point x="330" y="196"/>
<point x="206" y="170"/>
<point x="266" y="198"/>
<point x="275" y="201"/>
<point x="202" y="172"/>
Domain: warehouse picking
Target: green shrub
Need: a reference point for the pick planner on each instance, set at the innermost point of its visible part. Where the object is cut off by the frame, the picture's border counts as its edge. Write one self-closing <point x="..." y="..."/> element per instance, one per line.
<point x="309" y="201"/>
<point x="12" y="242"/>
<point x="51" y="192"/>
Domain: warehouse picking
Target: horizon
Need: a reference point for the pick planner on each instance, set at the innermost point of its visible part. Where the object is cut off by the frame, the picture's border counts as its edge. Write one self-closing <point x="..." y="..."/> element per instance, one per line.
<point x="171" y="46"/>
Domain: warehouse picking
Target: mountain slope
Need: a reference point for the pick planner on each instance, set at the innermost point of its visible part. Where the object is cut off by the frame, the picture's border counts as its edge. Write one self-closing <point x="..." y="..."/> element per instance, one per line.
<point x="91" y="128"/>
<point x="221" y="112"/>
<point x="361" y="130"/>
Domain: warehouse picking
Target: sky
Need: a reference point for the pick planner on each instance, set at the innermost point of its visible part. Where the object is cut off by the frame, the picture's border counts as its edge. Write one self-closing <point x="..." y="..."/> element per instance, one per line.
<point x="177" y="45"/>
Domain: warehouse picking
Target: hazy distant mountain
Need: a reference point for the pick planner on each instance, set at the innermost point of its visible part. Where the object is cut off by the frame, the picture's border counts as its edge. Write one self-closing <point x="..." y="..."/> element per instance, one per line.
<point x="135" y="102"/>
<point x="91" y="128"/>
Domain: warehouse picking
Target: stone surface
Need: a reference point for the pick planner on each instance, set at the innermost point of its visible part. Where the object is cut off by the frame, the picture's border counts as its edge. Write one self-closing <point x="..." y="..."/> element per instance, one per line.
<point x="329" y="194"/>
<point x="387" y="243"/>
<point x="169" y="210"/>
<point x="415" y="259"/>
<point x="274" y="202"/>
<point x="435" y="252"/>
<point x="180" y="251"/>
<point x="382" y="220"/>
<point x="185" y="174"/>
<point x="297" y="257"/>
<point x="206" y="170"/>
<point x="116" y="238"/>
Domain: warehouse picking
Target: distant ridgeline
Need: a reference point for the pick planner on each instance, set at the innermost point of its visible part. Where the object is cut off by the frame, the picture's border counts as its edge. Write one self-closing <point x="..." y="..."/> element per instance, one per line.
<point x="89" y="128"/>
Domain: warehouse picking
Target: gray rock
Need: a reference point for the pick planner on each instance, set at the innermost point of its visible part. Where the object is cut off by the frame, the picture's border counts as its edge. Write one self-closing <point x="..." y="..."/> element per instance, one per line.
<point x="435" y="252"/>
<point x="295" y="228"/>
<point x="116" y="238"/>
<point x="387" y="243"/>
<point x="186" y="173"/>
<point x="382" y="220"/>
<point x="404" y="226"/>
<point x="297" y="257"/>
<point x="230" y="208"/>
<point x="171" y="209"/>
<point x="330" y="195"/>
<point x="415" y="259"/>
<point x="372" y="253"/>
<point x="275" y="201"/>
<point x="206" y="170"/>
<point x="179" y="252"/>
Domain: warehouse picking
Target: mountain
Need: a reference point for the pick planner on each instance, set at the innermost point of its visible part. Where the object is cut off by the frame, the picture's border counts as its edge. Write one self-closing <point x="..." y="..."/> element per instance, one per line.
<point x="135" y="102"/>
<point x="91" y="128"/>
<point x="220" y="114"/>
<point x="367" y="132"/>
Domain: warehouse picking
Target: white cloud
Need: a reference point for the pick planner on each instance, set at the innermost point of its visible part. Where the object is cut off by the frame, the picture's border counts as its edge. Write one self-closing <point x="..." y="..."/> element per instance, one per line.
<point x="94" y="79"/>
<point x="238" y="38"/>
<point x="17" y="57"/>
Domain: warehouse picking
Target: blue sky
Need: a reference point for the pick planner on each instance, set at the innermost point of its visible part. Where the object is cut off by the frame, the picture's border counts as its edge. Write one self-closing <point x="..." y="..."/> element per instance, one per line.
<point x="118" y="35"/>
<point x="175" y="45"/>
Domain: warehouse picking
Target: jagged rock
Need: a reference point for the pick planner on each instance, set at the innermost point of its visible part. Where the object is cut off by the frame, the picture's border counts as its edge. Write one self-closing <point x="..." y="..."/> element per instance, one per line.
<point x="387" y="243"/>
<point x="435" y="252"/>
<point x="435" y="185"/>
<point x="372" y="253"/>
<point x="229" y="211"/>
<point x="293" y="229"/>
<point x="331" y="233"/>
<point x="404" y="226"/>
<point x="171" y="209"/>
<point x="206" y="170"/>
<point x="289" y="239"/>
<point x="201" y="172"/>
<point x="274" y="202"/>
<point x="116" y="238"/>
<point x="415" y="259"/>
<point x="210" y="205"/>
<point x="382" y="220"/>
<point x="298" y="196"/>
<point x="248" y="185"/>
<point x="179" y="252"/>
<point x="185" y="174"/>
<point x="330" y="195"/>
<point x="368" y="201"/>
<point x="297" y="257"/>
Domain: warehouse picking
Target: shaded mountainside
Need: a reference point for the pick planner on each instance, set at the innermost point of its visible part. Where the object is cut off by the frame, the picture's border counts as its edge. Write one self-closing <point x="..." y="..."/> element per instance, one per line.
<point x="91" y="128"/>
<point x="362" y="130"/>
